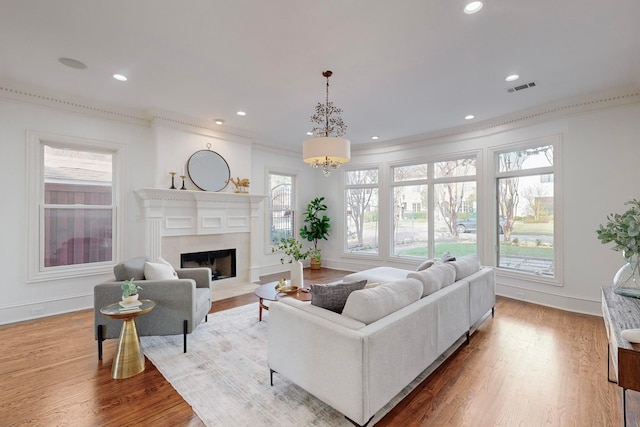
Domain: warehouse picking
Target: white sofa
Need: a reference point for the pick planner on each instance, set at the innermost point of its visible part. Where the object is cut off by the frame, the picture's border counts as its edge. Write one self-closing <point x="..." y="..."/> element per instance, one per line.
<point x="385" y="337"/>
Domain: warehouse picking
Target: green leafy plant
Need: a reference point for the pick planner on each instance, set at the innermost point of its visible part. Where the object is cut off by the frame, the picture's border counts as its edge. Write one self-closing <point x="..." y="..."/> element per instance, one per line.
<point x="129" y="288"/>
<point x="318" y="225"/>
<point x="292" y="248"/>
<point x="623" y="229"/>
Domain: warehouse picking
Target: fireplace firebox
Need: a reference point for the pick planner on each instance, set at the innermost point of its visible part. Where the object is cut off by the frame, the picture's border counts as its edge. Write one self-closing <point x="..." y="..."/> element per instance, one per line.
<point x="221" y="262"/>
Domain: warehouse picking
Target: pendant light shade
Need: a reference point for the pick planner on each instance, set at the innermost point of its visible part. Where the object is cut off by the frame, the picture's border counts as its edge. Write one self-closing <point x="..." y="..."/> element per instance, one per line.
<point x="327" y="149"/>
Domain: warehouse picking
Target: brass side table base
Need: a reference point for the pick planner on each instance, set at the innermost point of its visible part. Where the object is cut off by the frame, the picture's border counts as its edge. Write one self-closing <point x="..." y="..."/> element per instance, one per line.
<point x="129" y="360"/>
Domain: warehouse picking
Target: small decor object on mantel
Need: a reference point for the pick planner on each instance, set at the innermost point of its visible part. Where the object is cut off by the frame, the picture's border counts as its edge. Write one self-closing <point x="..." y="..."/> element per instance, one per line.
<point x="240" y="184"/>
<point x="129" y="292"/>
<point x="624" y="230"/>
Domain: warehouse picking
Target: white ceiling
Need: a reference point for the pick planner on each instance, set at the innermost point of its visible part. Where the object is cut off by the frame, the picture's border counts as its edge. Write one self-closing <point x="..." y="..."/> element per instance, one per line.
<point x="400" y="68"/>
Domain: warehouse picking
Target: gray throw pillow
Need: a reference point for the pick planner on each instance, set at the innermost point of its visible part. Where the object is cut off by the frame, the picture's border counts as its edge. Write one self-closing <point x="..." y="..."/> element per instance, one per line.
<point x="130" y="269"/>
<point x="334" y="297"/>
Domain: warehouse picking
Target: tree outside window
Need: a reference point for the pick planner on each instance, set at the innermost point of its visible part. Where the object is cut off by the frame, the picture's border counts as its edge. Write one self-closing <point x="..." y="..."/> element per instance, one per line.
<point x="525" y="186"/>
<point x="361" y="200"/>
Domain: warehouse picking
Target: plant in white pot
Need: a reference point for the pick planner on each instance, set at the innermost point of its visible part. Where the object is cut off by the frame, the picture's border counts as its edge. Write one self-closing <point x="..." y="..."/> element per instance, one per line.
<point x="624" y="230"/>
<point x="293" y="250"/>
<point x="129" y="291"/>
<point x="317" y="228"/>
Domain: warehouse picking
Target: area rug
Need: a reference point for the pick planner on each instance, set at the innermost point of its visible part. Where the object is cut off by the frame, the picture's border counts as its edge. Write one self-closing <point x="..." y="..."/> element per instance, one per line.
<point x="225" y="378"/>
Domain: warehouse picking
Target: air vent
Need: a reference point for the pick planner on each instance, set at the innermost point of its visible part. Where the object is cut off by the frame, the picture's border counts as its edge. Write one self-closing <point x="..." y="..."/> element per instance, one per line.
<point x="521" y="87"/>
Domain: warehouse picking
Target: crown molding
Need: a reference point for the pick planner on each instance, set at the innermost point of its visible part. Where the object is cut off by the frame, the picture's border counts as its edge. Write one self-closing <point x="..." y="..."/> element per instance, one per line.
<point x="40" y="96"/>
<point x="197" y="126"/>
<point x="557" y="109"/>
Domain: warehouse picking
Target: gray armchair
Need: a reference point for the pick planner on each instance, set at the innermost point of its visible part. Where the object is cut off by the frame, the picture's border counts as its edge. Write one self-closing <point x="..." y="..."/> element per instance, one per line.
<point x="180" y="304"/>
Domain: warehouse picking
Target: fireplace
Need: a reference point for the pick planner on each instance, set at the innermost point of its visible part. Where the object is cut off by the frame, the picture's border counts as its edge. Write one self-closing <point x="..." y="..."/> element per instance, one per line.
<point x="221" y="262"/>
<point x="177" y="222"/>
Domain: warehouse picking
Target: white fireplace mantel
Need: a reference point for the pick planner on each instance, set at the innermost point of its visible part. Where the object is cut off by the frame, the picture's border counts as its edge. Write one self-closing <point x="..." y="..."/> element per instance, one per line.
<point x="197" y="213"/>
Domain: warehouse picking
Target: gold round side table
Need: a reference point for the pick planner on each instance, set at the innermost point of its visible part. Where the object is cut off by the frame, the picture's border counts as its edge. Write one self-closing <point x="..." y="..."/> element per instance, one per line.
<point x="129" y="359"/>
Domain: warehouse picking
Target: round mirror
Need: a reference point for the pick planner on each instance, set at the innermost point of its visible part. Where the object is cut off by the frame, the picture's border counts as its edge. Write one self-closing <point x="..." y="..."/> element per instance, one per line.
<point x="208" y="170"/>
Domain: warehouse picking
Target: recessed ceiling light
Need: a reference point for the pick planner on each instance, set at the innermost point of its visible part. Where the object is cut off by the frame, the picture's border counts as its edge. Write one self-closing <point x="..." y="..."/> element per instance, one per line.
<point x="241" y="113"/>
<point x="473" y="7"/>
<point x="73" y="63"/>
<point x="512" y="78"/>
<point x="120" y="77"/>
<point x="375" y="137"/>
<point x="469" y="117"/>
<point x="219" y="121"/>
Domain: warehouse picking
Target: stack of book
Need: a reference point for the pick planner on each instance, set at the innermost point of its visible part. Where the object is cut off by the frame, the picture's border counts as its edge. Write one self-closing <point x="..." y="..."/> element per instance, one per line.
<point x="129" y="307"/>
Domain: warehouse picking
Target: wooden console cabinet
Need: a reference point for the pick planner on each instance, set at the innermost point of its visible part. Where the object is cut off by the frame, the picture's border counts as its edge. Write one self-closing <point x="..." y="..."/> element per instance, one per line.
<point x="620" y="313"/>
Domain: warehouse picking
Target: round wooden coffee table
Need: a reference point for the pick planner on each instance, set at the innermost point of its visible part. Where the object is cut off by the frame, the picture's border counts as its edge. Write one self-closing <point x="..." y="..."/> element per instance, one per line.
<point x="268" y="292"/>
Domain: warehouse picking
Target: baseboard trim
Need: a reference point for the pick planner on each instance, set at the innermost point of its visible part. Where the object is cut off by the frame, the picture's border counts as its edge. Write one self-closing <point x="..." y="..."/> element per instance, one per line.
<point x="36" y="310"/>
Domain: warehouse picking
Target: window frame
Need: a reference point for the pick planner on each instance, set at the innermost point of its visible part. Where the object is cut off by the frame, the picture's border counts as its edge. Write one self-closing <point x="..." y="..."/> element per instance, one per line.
<point x="294" y="188"/>
<point x="36" y="271"/>
<point x="431" y="182"/>
<point x="381" y="213"/>
<point x="523" y="277"/>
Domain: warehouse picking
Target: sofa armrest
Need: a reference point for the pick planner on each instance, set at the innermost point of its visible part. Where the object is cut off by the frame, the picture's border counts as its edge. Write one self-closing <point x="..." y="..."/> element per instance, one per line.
<point x="202" y="276"/>
<point x="319" y="355"/>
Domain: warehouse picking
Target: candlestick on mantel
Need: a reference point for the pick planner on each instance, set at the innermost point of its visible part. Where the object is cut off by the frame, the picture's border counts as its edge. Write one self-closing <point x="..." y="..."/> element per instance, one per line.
<point x="183" y="187"/>
<point x="173" y="185"/>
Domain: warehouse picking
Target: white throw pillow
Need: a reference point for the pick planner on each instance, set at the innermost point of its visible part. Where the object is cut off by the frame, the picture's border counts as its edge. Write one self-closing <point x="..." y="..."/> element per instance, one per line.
<point x="435" y="278"/>
<point x="426" y="264"/>
<point x="158" y="271"/>
<point x="163" y="261"/>
<point x="369" y="305"/>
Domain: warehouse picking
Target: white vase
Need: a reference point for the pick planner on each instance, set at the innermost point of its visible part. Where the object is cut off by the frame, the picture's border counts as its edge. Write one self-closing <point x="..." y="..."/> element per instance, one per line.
<point x="296" y="274"/>
<point x="130" y="299"/>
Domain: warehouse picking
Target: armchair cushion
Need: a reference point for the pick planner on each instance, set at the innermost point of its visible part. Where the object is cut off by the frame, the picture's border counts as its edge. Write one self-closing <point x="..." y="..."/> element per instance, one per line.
<point x="130" y="269"/>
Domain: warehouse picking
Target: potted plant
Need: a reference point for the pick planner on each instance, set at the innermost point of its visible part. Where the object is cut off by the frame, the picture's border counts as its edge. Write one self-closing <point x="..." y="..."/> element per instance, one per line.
<point x="129" y="291"/>
<point x="624" y="230"/>
<point x="317" y="228"/>
<point x="292" y="248"/>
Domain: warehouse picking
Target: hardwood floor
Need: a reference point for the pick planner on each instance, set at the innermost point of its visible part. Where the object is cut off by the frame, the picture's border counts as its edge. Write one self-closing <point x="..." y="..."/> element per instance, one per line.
<point x="529" y="366"/>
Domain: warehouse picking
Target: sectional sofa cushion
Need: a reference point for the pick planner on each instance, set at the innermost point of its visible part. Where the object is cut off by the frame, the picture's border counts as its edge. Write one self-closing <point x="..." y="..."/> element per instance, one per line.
<point x="378" y="274"/>
<point x="334" y="296"/>
<point x="466" y="266"/>
<point x="434" y="278"/>
<point x="130" y="269"/>
<point x="369" y="305"/>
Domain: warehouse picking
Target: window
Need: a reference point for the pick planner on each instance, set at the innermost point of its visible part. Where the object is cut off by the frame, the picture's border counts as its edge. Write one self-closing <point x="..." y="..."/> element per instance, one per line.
<point x="455" y="198"/>
<point x="73" y="221"/>
<point x="409" y="227"/>
<point x="525" y="184"/>
<point x="281" y="207"/>
<point x="450" y="188"/>
<point x="361" y="196"/>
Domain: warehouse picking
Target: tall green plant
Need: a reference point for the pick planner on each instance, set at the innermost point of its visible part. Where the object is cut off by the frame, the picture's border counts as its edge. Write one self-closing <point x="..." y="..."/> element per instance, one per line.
<point x="317" y="224"/>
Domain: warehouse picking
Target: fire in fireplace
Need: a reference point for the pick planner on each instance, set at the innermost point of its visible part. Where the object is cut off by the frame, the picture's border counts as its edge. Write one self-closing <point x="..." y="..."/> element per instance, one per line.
<point x="222" y="262"/>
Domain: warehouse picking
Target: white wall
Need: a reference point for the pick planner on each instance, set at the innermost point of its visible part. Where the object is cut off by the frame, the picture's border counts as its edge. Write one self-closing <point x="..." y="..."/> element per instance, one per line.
<point x="147" y="149"/>
<point x="600" y="172"/>
<point x="306" y="178"/>
<point x="20" y="298"/>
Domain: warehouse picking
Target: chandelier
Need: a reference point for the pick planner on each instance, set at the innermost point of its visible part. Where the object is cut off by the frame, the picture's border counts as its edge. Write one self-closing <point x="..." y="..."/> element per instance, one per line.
<point x="327" y="149"/>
